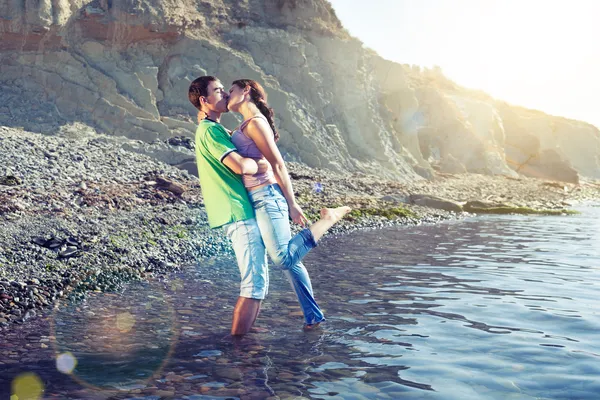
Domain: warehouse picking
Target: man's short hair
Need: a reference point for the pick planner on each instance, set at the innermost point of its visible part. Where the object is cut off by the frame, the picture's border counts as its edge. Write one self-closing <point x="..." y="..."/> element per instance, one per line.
<point x="198" y="88"/>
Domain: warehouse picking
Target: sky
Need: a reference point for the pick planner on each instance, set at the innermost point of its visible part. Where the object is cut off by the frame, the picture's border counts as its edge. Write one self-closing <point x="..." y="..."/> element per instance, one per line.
<point x="540" y="54"/>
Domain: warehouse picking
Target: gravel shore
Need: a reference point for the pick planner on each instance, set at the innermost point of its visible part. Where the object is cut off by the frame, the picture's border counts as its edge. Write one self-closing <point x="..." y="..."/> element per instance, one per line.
<point x="81" y="213"/>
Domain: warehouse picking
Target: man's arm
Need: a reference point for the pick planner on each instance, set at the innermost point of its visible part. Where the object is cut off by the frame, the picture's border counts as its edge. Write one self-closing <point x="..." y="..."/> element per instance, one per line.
<point x="218" y="143"/>
<point x="245" y="166"/>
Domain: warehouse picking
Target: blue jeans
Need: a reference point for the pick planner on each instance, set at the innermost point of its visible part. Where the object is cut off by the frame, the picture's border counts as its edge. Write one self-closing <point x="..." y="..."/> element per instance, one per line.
<point x="286" y="251"/>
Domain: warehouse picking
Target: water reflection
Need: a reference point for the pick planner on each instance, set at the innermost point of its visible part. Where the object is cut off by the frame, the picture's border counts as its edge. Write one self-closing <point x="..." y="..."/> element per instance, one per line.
<point x="490" y="308"/>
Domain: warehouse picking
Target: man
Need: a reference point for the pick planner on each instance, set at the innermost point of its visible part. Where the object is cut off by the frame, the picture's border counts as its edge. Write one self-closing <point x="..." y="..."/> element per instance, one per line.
<point x="227" y="205"/>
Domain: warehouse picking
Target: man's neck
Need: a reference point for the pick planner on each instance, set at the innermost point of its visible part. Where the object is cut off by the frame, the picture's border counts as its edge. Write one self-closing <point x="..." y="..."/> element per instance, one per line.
<point x="214" y="116"/>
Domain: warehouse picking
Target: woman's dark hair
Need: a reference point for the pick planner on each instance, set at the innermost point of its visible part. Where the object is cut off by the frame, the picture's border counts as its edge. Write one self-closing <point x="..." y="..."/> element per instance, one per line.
<point x="259" y="98"/>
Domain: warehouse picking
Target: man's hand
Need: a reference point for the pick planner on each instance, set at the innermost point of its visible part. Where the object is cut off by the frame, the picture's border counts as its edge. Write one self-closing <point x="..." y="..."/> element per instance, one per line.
<point x="263" y="165"/>
<point x="297" y="215"/>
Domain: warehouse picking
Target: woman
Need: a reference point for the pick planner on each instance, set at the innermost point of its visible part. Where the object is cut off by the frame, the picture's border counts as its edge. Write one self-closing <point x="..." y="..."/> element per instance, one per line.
<point x="272" y="195"/>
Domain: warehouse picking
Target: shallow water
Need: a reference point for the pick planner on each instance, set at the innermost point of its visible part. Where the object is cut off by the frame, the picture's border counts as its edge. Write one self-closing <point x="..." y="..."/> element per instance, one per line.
<point x="501" y="307"/>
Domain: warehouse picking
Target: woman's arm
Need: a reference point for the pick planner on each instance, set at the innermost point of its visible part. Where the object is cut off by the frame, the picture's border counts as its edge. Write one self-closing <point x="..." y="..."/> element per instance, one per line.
<point x="260" y="132"/>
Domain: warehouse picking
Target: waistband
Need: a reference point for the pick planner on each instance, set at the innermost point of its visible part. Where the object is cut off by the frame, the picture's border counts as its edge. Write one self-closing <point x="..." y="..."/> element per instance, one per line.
<point x="269" y="188"/>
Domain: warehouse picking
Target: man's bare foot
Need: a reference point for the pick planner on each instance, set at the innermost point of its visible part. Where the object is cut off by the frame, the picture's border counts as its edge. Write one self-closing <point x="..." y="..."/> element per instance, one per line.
<point x="334" y="214"/>
<point x="257" y="329"/>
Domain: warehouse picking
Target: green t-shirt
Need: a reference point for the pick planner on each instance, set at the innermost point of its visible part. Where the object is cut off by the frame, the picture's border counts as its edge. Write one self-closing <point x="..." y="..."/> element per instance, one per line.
<point x="225" y="196"/>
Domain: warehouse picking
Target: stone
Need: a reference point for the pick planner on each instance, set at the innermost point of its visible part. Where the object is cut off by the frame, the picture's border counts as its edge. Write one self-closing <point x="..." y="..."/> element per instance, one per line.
<point x="228" y="373"/>
<point x="472" y="205"/>
<point x="165" y="393"/>
<point x="435" y="202"/>
<point x="70" y="251"/>
<point x="9" y="180"/>
<point x="171" y="186"/>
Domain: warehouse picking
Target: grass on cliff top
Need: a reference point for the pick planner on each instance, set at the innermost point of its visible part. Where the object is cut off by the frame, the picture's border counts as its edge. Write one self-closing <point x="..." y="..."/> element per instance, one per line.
<point x="520" y="210"/>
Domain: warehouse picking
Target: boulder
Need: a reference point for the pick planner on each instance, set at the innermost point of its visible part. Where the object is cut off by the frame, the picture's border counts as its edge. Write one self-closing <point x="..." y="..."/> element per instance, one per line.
<point x="549" y="147"/>
<point x="474" y="206"/>
<point x="395" y="198"/>
<point x="430" y="201"/>
<point x="551" y="166"/>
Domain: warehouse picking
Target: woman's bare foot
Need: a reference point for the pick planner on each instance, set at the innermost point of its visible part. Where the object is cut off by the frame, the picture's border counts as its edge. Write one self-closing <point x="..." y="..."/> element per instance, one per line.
<point x="335" y="214"/>
<point x="312" y="327"/>
<point x="329" y="216"/>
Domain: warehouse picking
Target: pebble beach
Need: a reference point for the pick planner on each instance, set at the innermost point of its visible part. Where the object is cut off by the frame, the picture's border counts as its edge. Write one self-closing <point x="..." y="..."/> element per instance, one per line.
<point x="81" y="214"/>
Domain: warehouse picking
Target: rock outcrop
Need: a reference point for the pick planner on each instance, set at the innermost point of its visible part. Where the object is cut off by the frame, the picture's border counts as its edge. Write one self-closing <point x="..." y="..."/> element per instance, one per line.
<point x="459" y="130"/>
<point x="123" y="68"/>
<point x="435" y="202"/>
<point x="539" y="145"/>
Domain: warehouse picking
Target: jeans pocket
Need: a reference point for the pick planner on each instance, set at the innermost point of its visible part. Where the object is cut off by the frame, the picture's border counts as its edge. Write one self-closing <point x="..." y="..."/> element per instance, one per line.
<point x="275" y="209"/>
<point x="282" y="205"/>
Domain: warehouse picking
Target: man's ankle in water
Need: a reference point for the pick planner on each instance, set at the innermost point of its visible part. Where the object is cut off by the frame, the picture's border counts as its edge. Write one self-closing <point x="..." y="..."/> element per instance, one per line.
<point x="312" y="327"/>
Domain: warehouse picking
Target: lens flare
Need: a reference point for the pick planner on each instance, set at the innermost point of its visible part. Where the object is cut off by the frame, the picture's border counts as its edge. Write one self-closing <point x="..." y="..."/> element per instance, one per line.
<point x="66" y="363"/>
<point x="125" y="322"/>
<point x="27" y="386"/>
<point x="141" y="321"/>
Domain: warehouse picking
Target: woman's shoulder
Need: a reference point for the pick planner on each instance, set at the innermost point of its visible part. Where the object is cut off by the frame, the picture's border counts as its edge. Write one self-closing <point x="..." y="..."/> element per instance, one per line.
<point x="252" y="120"/>
<point x="258" y="122"/>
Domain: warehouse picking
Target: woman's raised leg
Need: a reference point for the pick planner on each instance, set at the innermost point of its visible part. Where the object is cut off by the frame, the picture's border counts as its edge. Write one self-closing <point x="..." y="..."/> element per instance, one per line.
<point x="329" y="217"/>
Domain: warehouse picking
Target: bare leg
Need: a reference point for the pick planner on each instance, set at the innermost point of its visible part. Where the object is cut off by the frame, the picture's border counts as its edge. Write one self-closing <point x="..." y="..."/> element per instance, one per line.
<point x="244" y="315"/>
<point x="329" y="216"/>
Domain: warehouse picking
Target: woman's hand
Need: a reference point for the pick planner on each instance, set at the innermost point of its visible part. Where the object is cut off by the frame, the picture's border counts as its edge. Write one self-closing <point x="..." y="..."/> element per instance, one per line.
<point x="201" y="116"/>
<point x="297" y="215"/>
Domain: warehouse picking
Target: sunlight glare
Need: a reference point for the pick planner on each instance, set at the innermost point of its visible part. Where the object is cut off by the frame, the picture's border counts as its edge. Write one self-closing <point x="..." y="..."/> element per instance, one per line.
<point x="27" y="386"/>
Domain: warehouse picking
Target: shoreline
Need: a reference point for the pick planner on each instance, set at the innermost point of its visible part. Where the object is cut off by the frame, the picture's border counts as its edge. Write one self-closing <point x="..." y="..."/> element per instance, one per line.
<point x="82" y="214"/>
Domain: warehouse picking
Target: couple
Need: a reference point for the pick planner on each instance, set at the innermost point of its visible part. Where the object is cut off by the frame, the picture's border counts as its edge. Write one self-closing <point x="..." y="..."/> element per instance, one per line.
<point x="248" y="193"/>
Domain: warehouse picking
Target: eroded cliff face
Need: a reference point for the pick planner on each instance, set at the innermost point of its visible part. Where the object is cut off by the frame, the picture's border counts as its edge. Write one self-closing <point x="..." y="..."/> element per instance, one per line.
<point x="461" y="130"/>
<point x="538" y="144"/>
<point x="124" y="67"/>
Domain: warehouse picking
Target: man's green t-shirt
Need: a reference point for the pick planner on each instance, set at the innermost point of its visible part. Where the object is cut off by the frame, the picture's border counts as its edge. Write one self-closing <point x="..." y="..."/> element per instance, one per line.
<point x="225" y="196"/>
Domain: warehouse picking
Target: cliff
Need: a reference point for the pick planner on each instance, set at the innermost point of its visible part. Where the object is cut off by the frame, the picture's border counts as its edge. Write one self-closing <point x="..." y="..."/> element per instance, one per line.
<point x="123" y="68"/>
